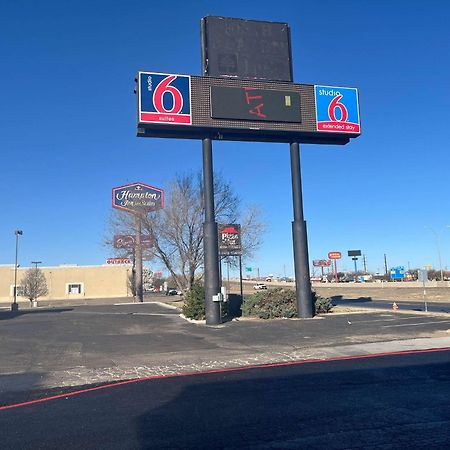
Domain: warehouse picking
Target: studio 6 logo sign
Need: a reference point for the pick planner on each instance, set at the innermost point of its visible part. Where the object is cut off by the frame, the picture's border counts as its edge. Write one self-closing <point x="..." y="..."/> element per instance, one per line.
<point x="337" y="109"/>
<point x="164" y="98"/>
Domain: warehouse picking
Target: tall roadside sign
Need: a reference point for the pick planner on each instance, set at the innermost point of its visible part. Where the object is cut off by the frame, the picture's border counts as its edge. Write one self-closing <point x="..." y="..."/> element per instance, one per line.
<point x="230" y="245"/>
<point x="137" y="199"/>
<point x="246" y="93"/>
<point x="334" y="256"/>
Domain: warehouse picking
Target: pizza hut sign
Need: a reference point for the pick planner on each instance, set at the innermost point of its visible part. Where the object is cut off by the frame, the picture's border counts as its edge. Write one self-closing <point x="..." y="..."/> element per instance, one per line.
<point x="230" y="240"/>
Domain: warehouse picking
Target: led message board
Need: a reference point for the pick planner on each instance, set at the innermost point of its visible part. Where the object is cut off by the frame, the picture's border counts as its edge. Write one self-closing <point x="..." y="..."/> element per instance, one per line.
<point x="255" y="104"/>
<point x="193" y="107"/>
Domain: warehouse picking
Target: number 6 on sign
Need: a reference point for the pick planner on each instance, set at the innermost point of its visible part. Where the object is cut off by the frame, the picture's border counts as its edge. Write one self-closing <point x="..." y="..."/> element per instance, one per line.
<point x="163" y="88"/>
<point x="335" y="104"/>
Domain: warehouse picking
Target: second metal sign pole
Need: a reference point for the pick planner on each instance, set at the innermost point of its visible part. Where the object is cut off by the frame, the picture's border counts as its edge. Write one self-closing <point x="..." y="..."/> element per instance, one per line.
<point x="300" y="241"/>
<point x="138" y="258"/>
<point x="210" y="239"/>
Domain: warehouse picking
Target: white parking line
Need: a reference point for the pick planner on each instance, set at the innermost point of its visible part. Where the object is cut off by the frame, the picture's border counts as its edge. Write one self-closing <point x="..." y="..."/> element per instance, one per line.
<point x="415" y="324"/>
<point x="392" y="319"/>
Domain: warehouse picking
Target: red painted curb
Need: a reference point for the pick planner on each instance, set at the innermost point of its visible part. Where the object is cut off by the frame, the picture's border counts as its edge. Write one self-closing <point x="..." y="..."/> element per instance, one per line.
<point x="224" y="370"/>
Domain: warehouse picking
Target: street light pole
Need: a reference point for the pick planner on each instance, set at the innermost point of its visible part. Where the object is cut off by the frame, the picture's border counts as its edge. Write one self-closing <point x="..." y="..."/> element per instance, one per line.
<point x="14" y="305"/>
<point x="438" y="244"/>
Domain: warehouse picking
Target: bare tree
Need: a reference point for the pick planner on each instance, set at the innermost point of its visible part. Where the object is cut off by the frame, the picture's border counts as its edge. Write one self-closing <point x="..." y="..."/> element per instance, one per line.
<point x="34" y="284"/>
<point x="177" y="230"/>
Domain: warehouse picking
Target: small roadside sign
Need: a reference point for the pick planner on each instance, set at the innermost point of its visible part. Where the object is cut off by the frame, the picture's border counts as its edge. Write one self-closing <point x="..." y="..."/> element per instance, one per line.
<point x="422" y="275"/>
<point x="334" y="255"/>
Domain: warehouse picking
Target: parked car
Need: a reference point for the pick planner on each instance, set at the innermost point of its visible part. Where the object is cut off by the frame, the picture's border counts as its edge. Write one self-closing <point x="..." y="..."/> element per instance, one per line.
<point x="259" y="286"/>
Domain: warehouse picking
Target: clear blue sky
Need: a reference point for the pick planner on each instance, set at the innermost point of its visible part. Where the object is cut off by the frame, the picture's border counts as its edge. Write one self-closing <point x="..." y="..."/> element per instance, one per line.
<point x="67" y="125"/>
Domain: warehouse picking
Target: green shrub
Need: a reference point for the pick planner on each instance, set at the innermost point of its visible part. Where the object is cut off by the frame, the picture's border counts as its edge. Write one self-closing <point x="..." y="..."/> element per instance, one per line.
<point x="270" y="304"/>
<point x="322" y="305"/>
<point x="194" y="302"/>
<point x="279" y="303"/>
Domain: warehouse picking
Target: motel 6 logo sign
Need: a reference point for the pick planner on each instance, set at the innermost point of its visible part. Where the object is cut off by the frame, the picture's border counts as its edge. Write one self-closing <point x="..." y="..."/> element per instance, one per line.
<point x="337" y="109"/>
<point x="164" y="98"/>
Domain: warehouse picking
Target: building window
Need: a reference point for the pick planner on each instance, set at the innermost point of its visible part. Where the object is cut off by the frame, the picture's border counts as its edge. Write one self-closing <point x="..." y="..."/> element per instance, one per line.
<point x="74" y="288"/>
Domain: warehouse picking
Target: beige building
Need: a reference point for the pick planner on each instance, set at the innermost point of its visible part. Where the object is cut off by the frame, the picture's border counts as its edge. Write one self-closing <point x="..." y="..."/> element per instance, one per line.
<point x="67" y="282"/>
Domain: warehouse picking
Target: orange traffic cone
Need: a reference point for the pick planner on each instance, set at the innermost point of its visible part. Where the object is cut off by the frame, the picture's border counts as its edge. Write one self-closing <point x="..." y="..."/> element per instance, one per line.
<point x="394" y="306"/>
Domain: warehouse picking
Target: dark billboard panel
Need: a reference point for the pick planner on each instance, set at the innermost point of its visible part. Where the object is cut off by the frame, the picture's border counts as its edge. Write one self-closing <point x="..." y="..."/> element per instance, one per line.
<point x="248" y="49"/>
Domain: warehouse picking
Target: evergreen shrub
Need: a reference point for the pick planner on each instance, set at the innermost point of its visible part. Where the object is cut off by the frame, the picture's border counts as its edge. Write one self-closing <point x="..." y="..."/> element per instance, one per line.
<point x="279" y="303"/>
<point x="194" y="302"/>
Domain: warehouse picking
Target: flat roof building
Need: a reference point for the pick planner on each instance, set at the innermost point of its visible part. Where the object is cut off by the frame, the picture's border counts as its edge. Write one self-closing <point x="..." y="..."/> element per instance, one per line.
<point x="67" y="282"/>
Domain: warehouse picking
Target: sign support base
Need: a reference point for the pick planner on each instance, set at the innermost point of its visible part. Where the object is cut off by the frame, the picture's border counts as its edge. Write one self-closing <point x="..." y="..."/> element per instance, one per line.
<point x="210" y="240"/>
<point x="305" y="307"/>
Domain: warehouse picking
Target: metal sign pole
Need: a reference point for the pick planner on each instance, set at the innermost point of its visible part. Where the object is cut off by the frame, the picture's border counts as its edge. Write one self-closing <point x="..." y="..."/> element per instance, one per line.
<point x="210" y="239"/>
<point x="138" y="258"/>
<point x="240" y="278"/>
<point x="336" y="278"/>
<point x="356" y="267"/>
<point x="300" y="241"/>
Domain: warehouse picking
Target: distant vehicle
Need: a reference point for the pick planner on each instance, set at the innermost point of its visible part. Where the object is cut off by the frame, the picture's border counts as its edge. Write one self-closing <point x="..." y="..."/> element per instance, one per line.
<point x="259" y="286"/>
<point x="285" y="280"/>
<point x="172" y="292"/>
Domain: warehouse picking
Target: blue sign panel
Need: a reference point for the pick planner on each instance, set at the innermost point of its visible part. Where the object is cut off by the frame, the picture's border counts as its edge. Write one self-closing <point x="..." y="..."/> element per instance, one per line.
<point x="337" y="109"/>
<point x="164" y="98"/>
<point x="137" y="198"/>
<point x="398" y="273"/>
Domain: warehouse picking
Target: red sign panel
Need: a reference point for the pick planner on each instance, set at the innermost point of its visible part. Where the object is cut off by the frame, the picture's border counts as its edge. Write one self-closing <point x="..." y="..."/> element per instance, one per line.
<point x="334" y="255"/>
<point x="321" y="263"/>
<point x="129" y="241"/>
<point x="118" y="261"/>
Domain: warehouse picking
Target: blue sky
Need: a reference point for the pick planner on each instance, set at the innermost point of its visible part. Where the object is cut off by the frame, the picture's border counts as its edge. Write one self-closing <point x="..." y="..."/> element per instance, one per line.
<point x="67" y="122"/>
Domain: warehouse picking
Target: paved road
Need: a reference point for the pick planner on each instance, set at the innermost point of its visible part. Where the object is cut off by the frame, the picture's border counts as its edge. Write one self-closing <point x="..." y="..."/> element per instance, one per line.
<point x="389" y="402"/>
<point x="439" y="307"/>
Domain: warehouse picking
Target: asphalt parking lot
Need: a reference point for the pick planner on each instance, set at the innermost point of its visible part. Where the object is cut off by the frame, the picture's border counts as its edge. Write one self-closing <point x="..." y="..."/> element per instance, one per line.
<point x="78" y="345"/>
<point x="395" y="401"/>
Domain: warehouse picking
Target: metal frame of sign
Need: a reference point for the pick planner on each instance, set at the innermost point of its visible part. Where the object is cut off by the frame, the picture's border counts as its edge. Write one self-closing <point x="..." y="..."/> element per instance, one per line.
<point x="170" y="97"/>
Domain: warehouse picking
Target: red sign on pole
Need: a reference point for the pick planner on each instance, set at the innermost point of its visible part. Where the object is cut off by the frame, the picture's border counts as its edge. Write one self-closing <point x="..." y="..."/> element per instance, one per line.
<point x="321" y="263"/>
<point x="118" y="261"/>
<point x="129" y="241"/>
<point x="334" y="255"/>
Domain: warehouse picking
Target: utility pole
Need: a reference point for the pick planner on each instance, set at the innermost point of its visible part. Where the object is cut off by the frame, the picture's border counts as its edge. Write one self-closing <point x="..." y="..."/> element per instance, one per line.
<point x="364" y="264"/>
<point x="385" y="265"/>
